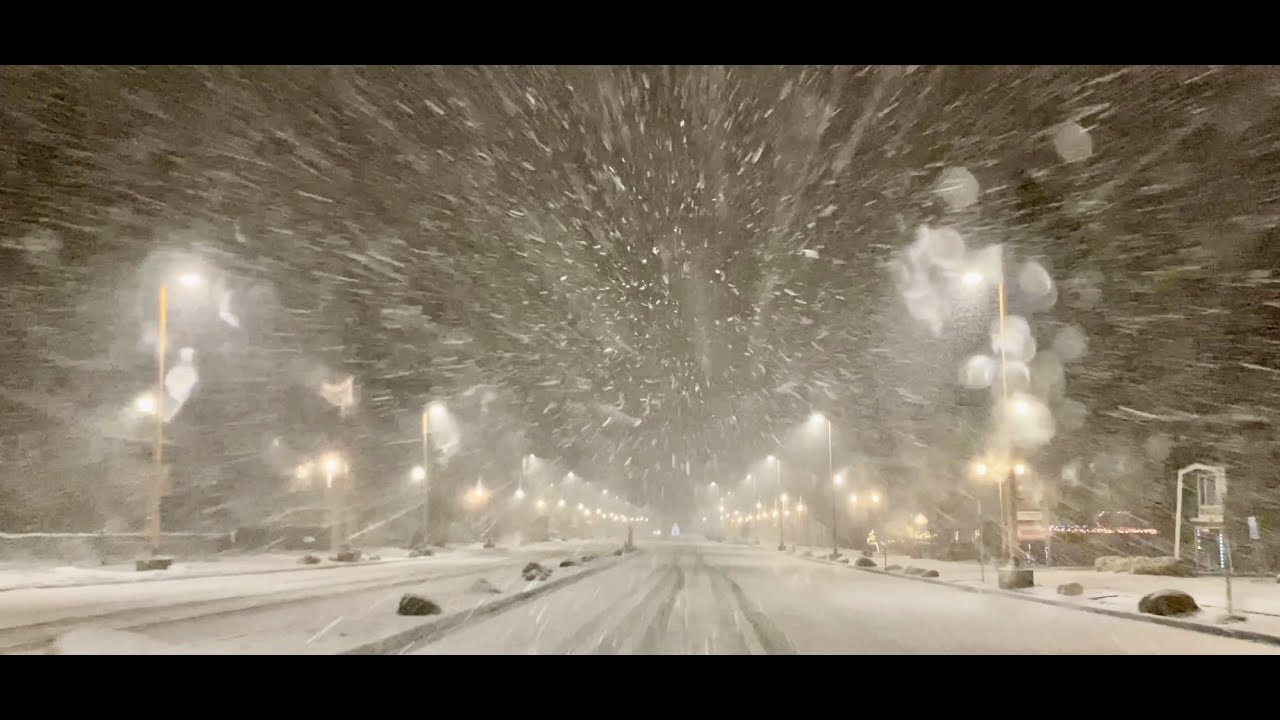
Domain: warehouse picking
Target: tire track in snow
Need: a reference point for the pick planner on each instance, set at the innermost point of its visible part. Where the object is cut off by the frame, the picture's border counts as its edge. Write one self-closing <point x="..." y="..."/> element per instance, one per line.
<point x="595" y="636"/>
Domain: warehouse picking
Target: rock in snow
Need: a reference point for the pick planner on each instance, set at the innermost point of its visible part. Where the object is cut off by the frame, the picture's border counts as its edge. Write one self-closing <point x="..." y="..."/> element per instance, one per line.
<point x="1167" y="602"/>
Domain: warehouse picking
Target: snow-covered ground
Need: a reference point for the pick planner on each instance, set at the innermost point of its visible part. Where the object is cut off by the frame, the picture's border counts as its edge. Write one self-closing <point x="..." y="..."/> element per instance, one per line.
<point x="1255" y="598"/>
<point x="675" y="597"/>
<point x="254" y="609"/>
<point x="16" y="575"/>
<point x="704" y="598"/>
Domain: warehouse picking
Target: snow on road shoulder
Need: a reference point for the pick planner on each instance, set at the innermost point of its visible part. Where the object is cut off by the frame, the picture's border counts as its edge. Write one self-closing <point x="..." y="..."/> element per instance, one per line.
<point x="102" y="641"/>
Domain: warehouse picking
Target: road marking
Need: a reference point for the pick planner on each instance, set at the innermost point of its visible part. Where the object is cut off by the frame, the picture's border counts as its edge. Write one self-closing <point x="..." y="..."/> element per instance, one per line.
<point x="326" y="629"/>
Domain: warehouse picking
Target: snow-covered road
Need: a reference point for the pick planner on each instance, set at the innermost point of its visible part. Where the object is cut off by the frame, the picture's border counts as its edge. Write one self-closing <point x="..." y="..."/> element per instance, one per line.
<point x="683" y="597"/>
<point x="253" y="612"/>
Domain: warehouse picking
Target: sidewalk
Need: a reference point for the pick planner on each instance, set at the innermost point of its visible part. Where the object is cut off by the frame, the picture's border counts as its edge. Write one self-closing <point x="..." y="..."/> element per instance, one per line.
<point x="1256" y="599"/>
<point x="31" y="575"/>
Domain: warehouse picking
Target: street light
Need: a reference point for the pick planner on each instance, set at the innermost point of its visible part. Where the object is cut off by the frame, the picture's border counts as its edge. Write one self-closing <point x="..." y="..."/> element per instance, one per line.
<point x="187" y="280"/>
<point x="1021" y="407"/>
<point x="836" y="480"/>
<point x="331" y="463"/>
<point x="145" y="404"/>
<point x="418" y="474"/>
<point x="431" y="410"/>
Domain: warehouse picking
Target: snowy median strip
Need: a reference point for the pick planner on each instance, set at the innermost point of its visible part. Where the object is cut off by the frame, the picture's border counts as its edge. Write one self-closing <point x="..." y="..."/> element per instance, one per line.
<point x="400" y="640"/>
<point x="47" y="578"/>
<point x="1195" y="625"/>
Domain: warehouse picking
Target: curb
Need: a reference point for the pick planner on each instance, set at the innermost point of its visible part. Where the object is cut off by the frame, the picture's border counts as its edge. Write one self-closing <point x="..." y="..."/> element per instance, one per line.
<point x="1219" y="630"/>
<point x="397" y="642"/>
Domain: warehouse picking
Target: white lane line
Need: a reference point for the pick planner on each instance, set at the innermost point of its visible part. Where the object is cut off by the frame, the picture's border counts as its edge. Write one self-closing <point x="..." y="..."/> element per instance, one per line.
<point x="326" y="629"/>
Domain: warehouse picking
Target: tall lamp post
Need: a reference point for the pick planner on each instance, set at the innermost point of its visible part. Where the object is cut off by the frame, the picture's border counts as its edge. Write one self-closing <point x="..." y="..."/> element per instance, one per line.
<point x="157" y="482"/>
<point x="425" y="479"/>
<point x="1024" y="577"/>
<point x="833" y="480"/>
<point x="331" y="464"/>
<point x="777" y="464"/>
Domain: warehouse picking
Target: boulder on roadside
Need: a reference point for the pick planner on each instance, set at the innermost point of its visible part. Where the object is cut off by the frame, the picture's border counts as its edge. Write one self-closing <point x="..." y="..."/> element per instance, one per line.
<point x="912" y="570"/>
<point x="587" y="558"/>
<point x="534" y="571"/>
<point x="1167" y="603"/>
<point x="568" y="563"/>
<point x="411" y="604"/>
<point x="483" y="586"/>
<point x="892" y="568"/>
<point x="843" y="560"/>
<point x="309" y="560"/>
<point x="1071" y="589"/>
<point x="421" y="552"/>
<point x="929" y="574"/>
<point x="618" y="552"/>
<point x="346" y="554"/>
<point x="865" y="562"/>
<point x="155" y="563"/>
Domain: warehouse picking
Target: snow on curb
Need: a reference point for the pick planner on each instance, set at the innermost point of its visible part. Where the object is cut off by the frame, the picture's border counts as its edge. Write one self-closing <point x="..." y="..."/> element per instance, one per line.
<point x="1200" y="627"/>
<point x="398" y="641"/>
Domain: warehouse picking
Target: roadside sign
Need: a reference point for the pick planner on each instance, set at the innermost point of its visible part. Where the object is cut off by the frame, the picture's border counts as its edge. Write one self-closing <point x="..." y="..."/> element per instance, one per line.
<point x="1253" y="528"/>
<point x="1032" y="531"/>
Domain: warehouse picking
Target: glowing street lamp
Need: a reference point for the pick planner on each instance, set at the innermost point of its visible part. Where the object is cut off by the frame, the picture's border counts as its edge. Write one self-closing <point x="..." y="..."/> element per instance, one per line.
<point x="418" y="474"/>
<point x="145" y="404"/>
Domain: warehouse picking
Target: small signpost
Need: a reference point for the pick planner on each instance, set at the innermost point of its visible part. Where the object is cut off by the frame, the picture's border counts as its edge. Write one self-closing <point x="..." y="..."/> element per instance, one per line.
<point x="1031" y="526"/>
